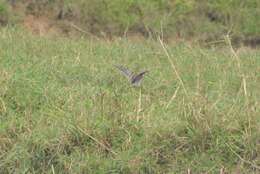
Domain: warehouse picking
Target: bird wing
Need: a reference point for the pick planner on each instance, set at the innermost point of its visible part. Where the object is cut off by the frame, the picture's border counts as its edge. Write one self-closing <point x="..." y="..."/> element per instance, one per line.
<point x="126" y="72"/>
<point x="136" y="80"/>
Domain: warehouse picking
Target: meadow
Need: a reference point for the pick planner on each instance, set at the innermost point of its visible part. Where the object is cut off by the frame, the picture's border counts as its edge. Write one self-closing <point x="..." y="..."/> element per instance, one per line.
<point x="64" y="108"/>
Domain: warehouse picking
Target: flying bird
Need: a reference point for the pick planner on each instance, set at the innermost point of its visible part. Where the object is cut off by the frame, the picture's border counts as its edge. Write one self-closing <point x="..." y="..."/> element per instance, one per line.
<point x="135" y="79"/>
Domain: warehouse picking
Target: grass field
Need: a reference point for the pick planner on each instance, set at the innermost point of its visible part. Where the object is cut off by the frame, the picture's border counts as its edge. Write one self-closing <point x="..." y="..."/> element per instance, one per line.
<point x="64" y="108"/>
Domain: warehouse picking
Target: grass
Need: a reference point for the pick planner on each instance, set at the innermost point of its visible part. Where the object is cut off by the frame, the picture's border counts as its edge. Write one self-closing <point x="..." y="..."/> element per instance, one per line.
<point x="65" y="109"/>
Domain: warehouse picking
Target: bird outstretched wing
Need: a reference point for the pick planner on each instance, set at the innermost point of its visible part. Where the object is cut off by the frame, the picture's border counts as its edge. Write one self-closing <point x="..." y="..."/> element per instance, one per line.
<point x="137" y="79"/>
<point x="126" y="72"/>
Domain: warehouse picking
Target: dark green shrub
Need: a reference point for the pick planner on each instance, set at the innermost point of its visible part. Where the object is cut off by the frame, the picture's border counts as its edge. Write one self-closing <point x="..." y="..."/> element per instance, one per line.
<point x="4" y="12"/>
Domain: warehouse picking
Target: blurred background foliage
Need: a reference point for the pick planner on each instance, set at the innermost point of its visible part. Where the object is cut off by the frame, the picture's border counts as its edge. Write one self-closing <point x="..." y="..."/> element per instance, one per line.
<point x="200" y="19"/>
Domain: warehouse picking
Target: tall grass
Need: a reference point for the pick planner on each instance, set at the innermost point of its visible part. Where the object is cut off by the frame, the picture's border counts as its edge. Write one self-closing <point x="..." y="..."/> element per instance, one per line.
<point x="65" y="109"/>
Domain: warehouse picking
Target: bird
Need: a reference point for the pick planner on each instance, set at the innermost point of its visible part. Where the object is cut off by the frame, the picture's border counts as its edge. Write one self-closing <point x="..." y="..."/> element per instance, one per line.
<point x="135" y="79"/>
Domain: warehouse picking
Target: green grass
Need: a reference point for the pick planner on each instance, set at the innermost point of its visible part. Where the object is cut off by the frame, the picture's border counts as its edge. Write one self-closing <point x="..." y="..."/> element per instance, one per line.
<point x="64" y="108"/>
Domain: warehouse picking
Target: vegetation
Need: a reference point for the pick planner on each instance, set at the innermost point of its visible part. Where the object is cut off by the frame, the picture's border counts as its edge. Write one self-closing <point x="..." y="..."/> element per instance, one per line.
<point x="4" y="12"/>
<point x="64" y="108"/>
<point x="199" y="19"/>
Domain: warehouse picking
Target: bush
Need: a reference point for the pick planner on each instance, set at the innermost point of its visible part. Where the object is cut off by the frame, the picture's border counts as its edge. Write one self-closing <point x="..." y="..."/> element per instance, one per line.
<point x="4" y="12"/>
<point x="185" y="18"/>
<point x="205" y="20"/>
